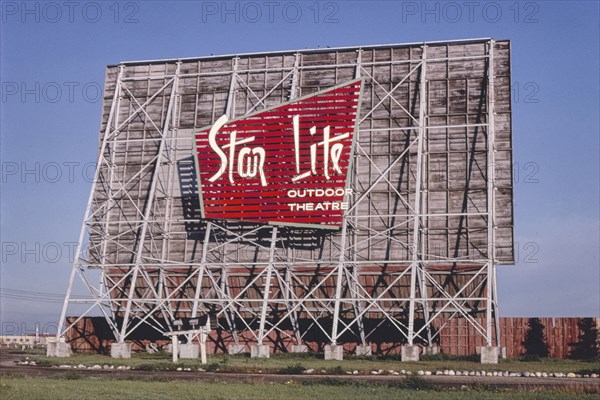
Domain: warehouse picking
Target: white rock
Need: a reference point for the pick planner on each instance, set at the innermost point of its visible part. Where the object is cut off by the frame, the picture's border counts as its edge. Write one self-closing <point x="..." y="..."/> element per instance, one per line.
<point x="355" y="372"/>
<point x="179" y="369"/>
<point x="201" y="370"/>
<point x="105" y="367"/>
<point x="81" y="366"/>
<point x="309" y="371"/>
<point x="544" y="375"/>
<point x="408" y="373"/>
<point x="439" y="373"/>
<point x="477" y="373"/>
<point x="323" y="371"/>
<point x="489" y="374"/>
<point x="571" y="375"/>
<point x="374" y="373"/>
<point x="420" y="372"/>
<point x="187" y="369"/>
<point x="586" y="376"/>
<point x="495" y="373"/>
<point x="446" y="372"/>
<point x="538" y="374"/>
<point x="395" y="373"/>
<point x="96" y="367"/>
<point x="427" y="373"/>
<point x="451" y="373"/>
<point x="472" y="373"/>
<point x="402" y="371"/>
<point x="594" y="375"/>
<point x="459" y="373"/>
<point x="526" y="374"/>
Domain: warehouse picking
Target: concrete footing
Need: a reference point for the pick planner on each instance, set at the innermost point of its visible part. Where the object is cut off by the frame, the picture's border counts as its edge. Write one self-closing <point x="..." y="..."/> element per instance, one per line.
<point x="236" y="349"/>
<point x="364" y="350"/>
<point x="120" y="350"/>
<point x="260" y="351"/>
<point x="489" y="355"/>
<point x="431" y="350"/>
<point x="188" y="350"/>
<point x="299" y="348"/>
<point x="334" y="352"/>
<point x="410" y="353"/>
<point x="58" y="349"/>
<point x="502" y="352"/>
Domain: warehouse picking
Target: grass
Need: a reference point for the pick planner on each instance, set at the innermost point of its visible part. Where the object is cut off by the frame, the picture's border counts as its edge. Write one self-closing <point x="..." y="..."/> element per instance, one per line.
<point x="295" y="363"/>
<point x="72" y="386"/>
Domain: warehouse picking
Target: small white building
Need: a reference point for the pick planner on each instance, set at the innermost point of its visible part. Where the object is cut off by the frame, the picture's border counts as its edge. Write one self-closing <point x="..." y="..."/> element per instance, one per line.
<point x="28" y="341"/>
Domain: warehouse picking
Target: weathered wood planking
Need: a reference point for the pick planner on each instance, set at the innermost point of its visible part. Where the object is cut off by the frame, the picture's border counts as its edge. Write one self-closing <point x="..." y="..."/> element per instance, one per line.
<point x="455" y="160"/>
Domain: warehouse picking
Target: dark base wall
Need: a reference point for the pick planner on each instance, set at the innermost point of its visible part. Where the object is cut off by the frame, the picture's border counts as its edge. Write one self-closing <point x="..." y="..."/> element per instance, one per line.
<point x="562" y="337"/>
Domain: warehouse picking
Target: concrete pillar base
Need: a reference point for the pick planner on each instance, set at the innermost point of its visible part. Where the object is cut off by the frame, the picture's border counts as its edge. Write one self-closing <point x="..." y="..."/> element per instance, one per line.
<point x="51" y="349"/>
<point x="236" y="349"/>
<point x="260" y="351"/>
<point x="431" y="350"/>
<point x="502" y="352"/>
<point x="410" y="353"/>
<point x="334" y="352"/>
<point x="188" y="350"/>
<point x="489" y="355"/>
<point x="58" y="349"/>
<point x="120" y="350"/>
<point x="299" y="348"/>
<point x="364" y="350"/>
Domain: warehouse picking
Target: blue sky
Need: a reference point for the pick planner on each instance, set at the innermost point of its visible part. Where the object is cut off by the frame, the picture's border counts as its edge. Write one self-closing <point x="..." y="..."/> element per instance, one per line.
<point x="53" y="57"/>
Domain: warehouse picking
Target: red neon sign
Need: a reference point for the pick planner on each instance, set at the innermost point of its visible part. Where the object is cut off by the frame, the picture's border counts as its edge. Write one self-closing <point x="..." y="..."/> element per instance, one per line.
<point x="285" y="165"/>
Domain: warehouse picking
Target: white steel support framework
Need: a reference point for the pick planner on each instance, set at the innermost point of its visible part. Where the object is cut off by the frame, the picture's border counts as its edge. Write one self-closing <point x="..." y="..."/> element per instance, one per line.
<point x="250" y="280"/>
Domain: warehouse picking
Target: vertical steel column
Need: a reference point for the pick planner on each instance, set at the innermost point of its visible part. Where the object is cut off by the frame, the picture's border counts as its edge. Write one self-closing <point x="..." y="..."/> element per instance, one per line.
<point x="229" y="108"/>
<point x="491" y="203"/>
<point x="109" y="201"/>
<point x="417" y="208"/>
<point x="292" y="311"/>
<point x="168" y="210"/>
<point x="149" y="204"/>
<point x="338" y="287"/>
<point x="289" y="292"/>
<point x="88" y="208"/>
<point x="201" y="269"/>
<point x="495" y="303"/>
<point x="424" y="234"/>
<point x="267" y="287"/>
<point x="355" y="275"/>
<point x="295" y="78"/>
<point x="229" y="304"/>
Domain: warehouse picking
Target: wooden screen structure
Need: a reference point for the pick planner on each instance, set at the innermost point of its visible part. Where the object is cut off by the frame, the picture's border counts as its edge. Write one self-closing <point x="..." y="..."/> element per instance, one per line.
<point x="429" y="219"/>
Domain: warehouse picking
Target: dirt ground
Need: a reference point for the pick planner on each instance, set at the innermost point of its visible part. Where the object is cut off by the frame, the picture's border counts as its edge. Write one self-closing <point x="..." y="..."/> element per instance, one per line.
<point x="8" y="366"/>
